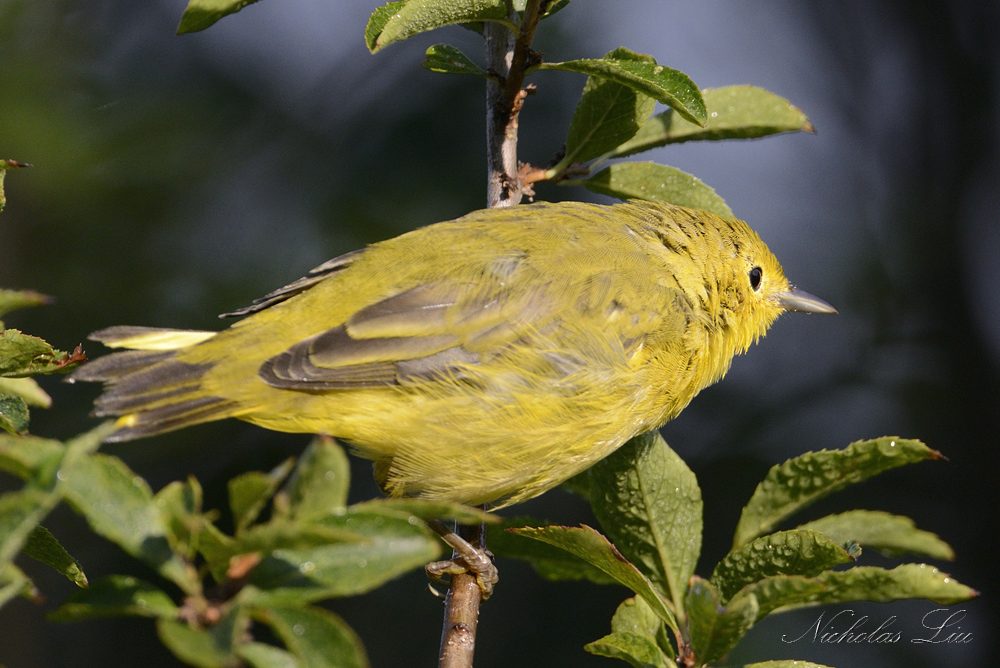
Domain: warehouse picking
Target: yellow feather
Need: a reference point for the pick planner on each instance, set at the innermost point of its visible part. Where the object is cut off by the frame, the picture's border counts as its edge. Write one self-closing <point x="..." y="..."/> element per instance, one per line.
<point x="150" y="338"/>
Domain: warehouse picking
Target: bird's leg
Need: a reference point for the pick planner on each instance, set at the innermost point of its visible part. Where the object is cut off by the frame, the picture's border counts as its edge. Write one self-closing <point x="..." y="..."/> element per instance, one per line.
<point x="467" y="558"/>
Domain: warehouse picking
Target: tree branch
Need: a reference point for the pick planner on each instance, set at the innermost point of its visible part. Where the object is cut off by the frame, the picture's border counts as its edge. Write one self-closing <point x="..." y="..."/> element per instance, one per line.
<point x="461" y="612"/>
<point x="508" y="56"/>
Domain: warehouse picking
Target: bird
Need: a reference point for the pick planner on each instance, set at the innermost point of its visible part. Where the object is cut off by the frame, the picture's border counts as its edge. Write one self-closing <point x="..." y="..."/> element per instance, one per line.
<point x="482" y="360"/>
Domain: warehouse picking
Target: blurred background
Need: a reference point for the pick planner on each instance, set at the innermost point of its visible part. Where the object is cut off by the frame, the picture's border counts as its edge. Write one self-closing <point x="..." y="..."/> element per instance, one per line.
<point x="177" y="178"/>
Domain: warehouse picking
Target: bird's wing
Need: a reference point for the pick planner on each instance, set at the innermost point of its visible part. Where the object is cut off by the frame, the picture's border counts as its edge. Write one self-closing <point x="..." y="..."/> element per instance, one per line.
<point x="430" y="331"/>
<point x="314" y="276"/>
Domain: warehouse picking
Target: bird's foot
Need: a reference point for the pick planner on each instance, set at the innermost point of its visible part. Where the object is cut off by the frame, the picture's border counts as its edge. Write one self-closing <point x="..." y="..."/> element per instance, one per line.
<point x="467" y="558"/>
<point x="484" y="570"/>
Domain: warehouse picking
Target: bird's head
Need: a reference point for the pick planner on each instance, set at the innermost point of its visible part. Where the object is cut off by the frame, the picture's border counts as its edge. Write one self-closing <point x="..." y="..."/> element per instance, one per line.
<point x="762" y="291"/>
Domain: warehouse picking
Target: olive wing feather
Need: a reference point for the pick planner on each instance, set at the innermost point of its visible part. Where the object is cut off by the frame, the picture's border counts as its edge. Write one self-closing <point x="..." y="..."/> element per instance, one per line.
<point x="430" y="331"/>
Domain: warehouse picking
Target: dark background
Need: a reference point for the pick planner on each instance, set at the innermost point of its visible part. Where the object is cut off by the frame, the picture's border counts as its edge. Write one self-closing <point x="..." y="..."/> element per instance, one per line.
<point x="179" y="177"/>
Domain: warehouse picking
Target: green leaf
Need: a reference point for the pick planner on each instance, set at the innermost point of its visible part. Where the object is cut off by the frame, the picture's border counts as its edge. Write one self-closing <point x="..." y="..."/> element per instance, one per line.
<point x="275" y="535"/>
<point x="426" y="509"/>
<point x="377" y="21"/>
<point x="13" y="581"/>
<point x="213" y="647"/>
<point x="27" y="389"/>
<point x="179" y="504"/>
<point x="655" y="183"/>
<point x="447" y="59"/>
<point x="595" y="549"/>
<point x="649" y="502"/>
<point x="635" y="616"/>
<point x="319" y="485"/>
<point x="259" y="655"/>
<point x="863" y="583"/>
<point x="115" y="596"/>
<point x="550" y="9"/>
<point x="608" y="114"/>
<point x="119" y="505"/>
<point x="778" y="591"/>
<point x="642" y="74"/>
<point x="868" y="583"/>
<point x="200" y="14"/>
<point x="319" y="638"/>
<point x="715" y="629"/>
<point x="217" y="547"/>
<point x="42" y="546"/>
<point x="29" y="456"/>
<point x="397" y="21"/>
<point x="892" y="535"/>
<point x="14" y="414"/>
<point x="250" y="492"/>
<point x="792" y="486"/>
<point x="11" y="300"/>
<point x="553" y="7"/>
<point x="20" y="513"/>
<point x="551" y="562"/>
<point x="4" y="166"/>
<point x="22" y="355"/>
<point x="386" y="546"/>
<point x="733" y="112"/>
<point x="635" y="649"/>
<point x="18" y="351"/>
<point x="784" y="553"/>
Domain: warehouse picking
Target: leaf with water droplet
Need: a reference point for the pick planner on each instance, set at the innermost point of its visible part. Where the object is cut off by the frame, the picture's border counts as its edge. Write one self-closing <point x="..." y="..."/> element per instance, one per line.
<point x="317" y="637"/>
<point x="386" y="545"/>
<point x="715" y="629"/>
<point x="891" y="535"/>
<point x="607" y="114"/>
<point x="654" y="183"/>
<point x="862" y="583"/>
<point x="642" y="74"/>
<point x="649" y="503"/>
<point x="784" y="553"/>
<point x="397" y="21"/>
<point x="792" y="486"/>
<point x="734" y="112"/>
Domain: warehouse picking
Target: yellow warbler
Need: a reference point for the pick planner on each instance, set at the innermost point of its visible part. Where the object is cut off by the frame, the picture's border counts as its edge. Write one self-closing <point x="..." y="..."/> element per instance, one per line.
<point x="485" y="359"/>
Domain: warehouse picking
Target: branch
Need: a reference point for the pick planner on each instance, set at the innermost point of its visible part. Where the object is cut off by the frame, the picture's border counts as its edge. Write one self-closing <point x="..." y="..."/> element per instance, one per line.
<point x="508" y="56"/>
<point x="461" y="612"/>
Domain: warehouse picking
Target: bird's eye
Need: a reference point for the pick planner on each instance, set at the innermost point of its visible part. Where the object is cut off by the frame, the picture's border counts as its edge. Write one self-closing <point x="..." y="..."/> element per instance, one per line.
<point x="755" y="275"/>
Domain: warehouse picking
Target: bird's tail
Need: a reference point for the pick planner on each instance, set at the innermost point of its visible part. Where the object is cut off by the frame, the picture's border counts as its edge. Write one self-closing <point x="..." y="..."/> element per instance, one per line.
<point x="147" y="386"/>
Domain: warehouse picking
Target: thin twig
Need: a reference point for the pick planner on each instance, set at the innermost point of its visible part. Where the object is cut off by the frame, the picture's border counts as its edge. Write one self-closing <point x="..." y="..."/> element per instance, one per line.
<point x="458" y="634"/>
<point x="509" y="56"/>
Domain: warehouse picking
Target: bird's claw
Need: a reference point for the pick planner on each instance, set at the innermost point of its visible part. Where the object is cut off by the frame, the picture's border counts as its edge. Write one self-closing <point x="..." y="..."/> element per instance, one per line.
<point x="477" y="562"/>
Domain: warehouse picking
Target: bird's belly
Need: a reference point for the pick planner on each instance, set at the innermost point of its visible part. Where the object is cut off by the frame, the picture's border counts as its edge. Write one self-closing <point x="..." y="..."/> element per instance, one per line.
<point x="473" y="448"/>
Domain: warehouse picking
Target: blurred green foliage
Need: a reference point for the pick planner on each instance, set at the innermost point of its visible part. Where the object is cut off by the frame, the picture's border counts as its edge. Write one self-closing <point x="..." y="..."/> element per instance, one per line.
<point x="153" y="202"/>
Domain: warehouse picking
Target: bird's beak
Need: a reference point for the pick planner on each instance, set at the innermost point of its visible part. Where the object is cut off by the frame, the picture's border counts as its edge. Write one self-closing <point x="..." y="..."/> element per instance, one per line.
<point x="800" y="300"/>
